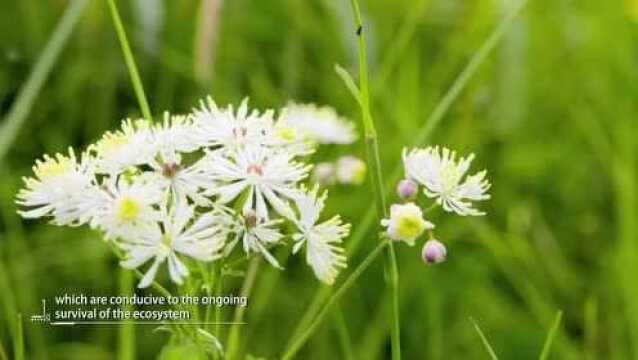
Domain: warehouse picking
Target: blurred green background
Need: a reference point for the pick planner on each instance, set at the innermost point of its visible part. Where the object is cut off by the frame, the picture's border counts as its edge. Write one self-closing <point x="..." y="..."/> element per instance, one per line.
<point x="551" y="113"/>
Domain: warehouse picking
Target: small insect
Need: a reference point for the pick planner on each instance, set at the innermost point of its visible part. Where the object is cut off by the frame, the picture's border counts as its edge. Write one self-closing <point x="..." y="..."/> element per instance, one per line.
<point x="359" y="29"/>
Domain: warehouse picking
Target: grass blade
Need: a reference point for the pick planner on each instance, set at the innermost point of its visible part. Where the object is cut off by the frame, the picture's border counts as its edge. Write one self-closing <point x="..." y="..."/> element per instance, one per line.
<point x="551" y="335"/>
<point x="130" y="61"/>
<point x="486" y="343"/>
<point x="22" y="105"/>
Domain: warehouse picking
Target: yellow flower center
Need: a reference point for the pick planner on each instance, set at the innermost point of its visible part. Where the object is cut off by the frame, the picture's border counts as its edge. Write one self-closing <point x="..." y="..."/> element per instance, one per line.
<point x="409" y="226"/>
<point x="129" y="209"/>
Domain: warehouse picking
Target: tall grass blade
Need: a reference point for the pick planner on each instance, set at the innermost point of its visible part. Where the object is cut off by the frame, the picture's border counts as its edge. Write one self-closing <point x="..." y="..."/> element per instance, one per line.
<point x="27" y="95"/>
<point x="130" y="61"/>
<point x="486" y="343"/>
<point x="551" y="335"/>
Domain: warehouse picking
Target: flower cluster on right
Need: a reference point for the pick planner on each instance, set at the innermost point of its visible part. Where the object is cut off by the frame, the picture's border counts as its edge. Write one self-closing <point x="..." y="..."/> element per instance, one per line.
<point x="442" y="177"/>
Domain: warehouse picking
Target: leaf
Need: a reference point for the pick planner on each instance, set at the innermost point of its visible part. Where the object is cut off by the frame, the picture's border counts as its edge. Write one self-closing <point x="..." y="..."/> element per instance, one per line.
<point x="349" y="82"/>
<point x="211" y="339"/>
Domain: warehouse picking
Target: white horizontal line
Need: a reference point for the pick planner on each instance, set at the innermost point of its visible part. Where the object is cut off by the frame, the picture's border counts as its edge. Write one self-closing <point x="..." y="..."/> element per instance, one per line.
<point x="115" y="322"/>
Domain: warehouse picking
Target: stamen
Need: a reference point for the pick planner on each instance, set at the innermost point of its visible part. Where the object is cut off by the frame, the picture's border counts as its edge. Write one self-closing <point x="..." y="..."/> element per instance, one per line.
<point x="255" y="170"/>
<point x="170" y="170"/>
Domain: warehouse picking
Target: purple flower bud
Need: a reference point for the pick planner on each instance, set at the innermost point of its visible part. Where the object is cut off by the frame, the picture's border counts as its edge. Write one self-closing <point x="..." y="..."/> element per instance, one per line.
<point x="407" y="189"/>
<point x="433" y="252"/>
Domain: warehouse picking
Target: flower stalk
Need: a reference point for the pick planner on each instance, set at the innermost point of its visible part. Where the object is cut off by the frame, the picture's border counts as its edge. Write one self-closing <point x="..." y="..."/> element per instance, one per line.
<point x="374" y="163"/>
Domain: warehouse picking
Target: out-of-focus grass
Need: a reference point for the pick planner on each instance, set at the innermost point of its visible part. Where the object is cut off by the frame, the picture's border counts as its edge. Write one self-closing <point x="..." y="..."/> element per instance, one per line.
<point x="551" y="114"/>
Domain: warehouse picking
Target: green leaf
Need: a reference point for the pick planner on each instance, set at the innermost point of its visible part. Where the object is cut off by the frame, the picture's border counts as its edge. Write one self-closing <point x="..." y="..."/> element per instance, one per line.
<point x="349" y="82"/>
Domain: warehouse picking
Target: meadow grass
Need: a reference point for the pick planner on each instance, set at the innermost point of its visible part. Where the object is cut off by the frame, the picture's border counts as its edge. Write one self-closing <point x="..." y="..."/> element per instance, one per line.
<point x="544" y="98"/>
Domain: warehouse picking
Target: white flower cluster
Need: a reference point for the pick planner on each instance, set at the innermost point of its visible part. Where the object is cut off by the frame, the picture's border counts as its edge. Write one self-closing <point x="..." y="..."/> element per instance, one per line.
<point x="194" y="186"/>
<point x="443" y="179"/>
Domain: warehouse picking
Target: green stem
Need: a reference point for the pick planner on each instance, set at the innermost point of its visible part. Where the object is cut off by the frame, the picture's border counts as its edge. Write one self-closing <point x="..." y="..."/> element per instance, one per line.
<point x="233" y="336"/>
<point x="130" y="61"/>
<point x="19" y="339"/>
<point x="218" y="310"/>
<point x="374" y="164"/>
<point x="126" y="334"/>
<point x="209" y="280"/>
<point x="325" y="310"/>
<point x="324" y="291"/>
<point x="29" y="91"/>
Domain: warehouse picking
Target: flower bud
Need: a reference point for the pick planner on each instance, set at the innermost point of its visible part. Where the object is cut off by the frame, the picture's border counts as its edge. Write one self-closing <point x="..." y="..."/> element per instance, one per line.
<point x="351" y="170"/>
<point x="324" y="174"/>
<point x="433" y="252"/>
<point x="407" y="190"/>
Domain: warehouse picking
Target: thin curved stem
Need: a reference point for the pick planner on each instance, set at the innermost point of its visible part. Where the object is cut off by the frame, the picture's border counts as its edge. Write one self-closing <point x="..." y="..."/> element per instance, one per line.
<point x="325" y="310"/>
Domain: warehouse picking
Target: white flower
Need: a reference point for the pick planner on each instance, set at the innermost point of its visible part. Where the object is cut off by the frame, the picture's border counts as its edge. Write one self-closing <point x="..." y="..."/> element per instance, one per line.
<point x="258" y="235"/>
<point x="442" y="176"/>
<point x="201" y="239"/>
<point x="351" y="170"/>
<point x="176" y="134"/>
<point x="288" y="137"/>
<point x="406" y="223"/>
<point x="323" y="252"/>
<point x="266" y="175"/>
<point x="229" y="128"/>
<point x="130" y="146"/>
<point x="320" y="124"/>
<point x="181" y="181"/>
<point x="130" y="206"/>
<point x="62" y="188"/>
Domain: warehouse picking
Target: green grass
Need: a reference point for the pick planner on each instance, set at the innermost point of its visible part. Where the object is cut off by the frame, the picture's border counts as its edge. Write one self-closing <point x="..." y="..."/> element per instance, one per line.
<point x="542" y="92"/>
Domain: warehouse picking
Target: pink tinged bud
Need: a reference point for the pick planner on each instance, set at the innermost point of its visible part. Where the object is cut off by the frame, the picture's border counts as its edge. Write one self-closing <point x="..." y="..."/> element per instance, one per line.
<point x="433" y="252"/>
<point x="407" y="189"/>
